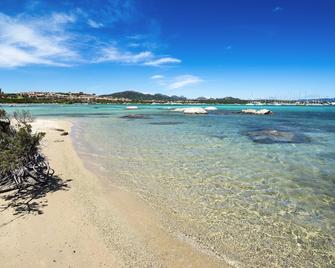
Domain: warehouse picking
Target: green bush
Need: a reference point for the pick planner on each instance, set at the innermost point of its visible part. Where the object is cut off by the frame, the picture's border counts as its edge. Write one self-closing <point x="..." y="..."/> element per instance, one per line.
<point x="18" y="145"/>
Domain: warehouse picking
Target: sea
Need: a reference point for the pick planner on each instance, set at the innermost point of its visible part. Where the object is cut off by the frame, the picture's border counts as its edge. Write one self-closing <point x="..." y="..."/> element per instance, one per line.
<point x="257" y="190"/>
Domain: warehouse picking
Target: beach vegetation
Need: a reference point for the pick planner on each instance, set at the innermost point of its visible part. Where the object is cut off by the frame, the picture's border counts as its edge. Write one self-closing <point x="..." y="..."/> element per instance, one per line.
<point x="21" y="162"/>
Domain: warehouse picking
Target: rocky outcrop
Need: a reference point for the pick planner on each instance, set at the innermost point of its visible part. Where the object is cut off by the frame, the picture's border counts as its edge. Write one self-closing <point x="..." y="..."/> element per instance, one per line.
<point x="191" y="110"/>
<point x="195" y="110"/>
<point x="131" y="107"/>
<point x="258" y="112"/>
<point x="179" y="110"/>
<point x="211" y="108"/>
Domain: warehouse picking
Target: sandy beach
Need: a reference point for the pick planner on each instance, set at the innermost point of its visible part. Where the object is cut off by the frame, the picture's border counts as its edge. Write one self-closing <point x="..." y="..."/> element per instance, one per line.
<point x="88" y="222"/>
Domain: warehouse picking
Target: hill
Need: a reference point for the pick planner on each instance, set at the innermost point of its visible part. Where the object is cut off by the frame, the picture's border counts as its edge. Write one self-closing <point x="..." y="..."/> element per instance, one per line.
<point x="138" y="96"/>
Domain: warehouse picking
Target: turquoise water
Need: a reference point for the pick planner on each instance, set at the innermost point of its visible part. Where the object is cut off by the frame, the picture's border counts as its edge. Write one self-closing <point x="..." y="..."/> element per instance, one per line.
<point x="257" y="190"/>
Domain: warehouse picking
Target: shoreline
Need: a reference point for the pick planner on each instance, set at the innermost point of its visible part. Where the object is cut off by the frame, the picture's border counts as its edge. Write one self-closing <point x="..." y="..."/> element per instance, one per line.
<point x="92" y="223"/>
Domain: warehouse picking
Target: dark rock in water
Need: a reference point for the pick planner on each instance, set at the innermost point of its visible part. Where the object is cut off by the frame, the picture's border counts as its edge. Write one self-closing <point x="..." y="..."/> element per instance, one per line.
<point x="225" y="112"/>
<point x="328" y="156"/>
<point x="166" y="123"/>
<point x="135" y="116"/>
<point x="59" y="129"/>
<point x="257" y="112"/>
<point x="269" y="136"/>
<point x="219" y="136"/>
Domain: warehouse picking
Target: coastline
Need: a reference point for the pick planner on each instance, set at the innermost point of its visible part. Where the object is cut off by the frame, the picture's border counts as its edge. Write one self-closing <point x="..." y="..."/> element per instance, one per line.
<point x="92" y="223"/>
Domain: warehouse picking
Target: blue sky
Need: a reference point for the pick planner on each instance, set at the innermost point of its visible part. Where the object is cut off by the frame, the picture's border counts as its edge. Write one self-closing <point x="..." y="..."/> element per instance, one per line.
<point x="247" y="49"/>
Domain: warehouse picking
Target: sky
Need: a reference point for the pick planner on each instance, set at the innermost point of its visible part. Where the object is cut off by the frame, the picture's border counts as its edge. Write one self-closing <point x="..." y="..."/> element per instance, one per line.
<point x="213" y="48"/>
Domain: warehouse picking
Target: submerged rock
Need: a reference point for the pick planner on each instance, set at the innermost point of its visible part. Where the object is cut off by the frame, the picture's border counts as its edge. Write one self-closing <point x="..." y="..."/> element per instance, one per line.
<point x="135" y="116"/>
<point x="258" y="112"/>
<point x="131" y="107"/>
<point x="219" y="136"/>
<point x="226" y="112"/>
<point x="270" y="136"/>
<point x="195" y="110"/>
<point x="211" y="108"/>
<point x="165" y="123"/>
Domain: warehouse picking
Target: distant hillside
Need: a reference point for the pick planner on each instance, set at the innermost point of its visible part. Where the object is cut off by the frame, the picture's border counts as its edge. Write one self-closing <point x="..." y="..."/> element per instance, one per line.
<point x="229" y="100"/>
<point x="138" y="96"/>
<point x="141" y="97"/>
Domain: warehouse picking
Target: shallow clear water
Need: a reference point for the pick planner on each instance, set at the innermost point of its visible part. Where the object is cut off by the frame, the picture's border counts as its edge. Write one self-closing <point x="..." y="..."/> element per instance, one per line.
<point x="257" y="190"/>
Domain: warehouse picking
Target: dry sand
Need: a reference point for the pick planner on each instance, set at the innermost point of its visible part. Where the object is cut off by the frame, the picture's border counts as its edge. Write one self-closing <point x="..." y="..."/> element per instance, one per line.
<point x="89" y="223"/>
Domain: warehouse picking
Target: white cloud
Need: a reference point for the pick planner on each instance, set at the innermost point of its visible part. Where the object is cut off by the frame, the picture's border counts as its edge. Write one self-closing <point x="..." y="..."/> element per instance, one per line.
<point x="184" y="80"/>
<point x="31" y="41"/>
<point x="54" y="39"/>
<point x="136" y="37"/>
<point x="113" y="54"/>
<point x="61" y="18"/>
<point x="94" y="24"/>
<point x="13" y="57"/>
<point x="134" y="45"/>
<point x="162" y="61"/>
<point x="277" y="9"/>
<point x="157" y="76"/>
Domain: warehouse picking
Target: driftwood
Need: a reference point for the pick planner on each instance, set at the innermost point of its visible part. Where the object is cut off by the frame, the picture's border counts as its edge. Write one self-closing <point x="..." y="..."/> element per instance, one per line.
<point x="35" y="169"/>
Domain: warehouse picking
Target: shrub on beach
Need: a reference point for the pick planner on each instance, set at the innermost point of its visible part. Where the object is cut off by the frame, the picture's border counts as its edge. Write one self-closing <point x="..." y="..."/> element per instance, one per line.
<point x="20" y="160"/>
